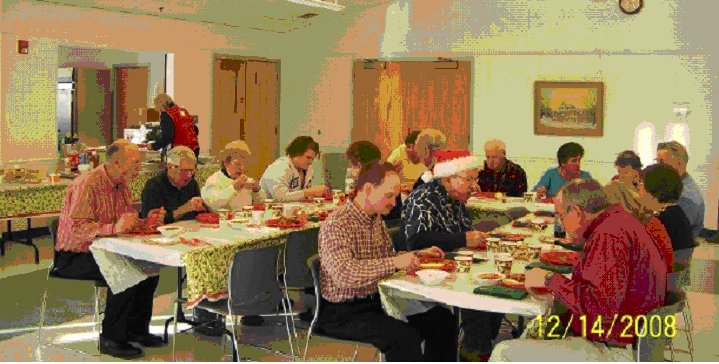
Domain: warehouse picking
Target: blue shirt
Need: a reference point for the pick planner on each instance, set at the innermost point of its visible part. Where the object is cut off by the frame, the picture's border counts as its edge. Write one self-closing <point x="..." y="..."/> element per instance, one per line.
<point x="553" y="181"/>
<point x="692" y="202"/>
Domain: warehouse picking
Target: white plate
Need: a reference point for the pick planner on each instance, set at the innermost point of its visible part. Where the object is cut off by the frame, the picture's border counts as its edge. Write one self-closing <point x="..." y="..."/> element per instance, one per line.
<point x="163" y="241"/>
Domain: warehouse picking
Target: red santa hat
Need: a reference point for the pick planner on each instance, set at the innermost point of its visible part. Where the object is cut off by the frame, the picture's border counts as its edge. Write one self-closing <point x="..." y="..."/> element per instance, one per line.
<point x="452" y="162"/>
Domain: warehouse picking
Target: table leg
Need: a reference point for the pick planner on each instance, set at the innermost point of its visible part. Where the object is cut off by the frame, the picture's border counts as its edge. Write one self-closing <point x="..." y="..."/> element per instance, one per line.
<point x="181" y="315"/>
<point x="28" y="241"/>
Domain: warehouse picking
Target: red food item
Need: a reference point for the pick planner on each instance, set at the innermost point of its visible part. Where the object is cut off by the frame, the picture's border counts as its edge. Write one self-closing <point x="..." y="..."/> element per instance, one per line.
<point x="484" y="195"/>
<point x="258" y="207"/>
<point x="208" y="218"/>
<point x="559" y="258"/>
<point x="328" y="196"/>
<point x="143" y="228"/>
<point x="285" y="223"/>
<point x="194" y="242"/>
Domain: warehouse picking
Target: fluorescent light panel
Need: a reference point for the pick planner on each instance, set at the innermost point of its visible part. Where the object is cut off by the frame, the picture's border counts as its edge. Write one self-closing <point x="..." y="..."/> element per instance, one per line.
<point x="320" y="4"/>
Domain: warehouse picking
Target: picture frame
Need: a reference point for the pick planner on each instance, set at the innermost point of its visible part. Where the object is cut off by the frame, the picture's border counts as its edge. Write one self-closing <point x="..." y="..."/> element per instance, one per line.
<point x="569" y="108"/>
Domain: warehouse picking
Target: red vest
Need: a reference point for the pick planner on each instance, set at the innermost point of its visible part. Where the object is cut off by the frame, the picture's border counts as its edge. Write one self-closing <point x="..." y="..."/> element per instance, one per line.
<point x="184" y="128"/>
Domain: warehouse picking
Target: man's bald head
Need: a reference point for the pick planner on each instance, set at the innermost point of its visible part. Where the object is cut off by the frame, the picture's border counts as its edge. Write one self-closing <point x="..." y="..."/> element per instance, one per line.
<point x="123" y="160"/>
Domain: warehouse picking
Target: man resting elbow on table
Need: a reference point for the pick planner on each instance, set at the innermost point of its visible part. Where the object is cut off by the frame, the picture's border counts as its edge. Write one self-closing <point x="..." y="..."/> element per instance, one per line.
<point x="435" y="213"/>
<point x="355" y="252"/>
<point x="621" y="272"/>
<point x="98" y="204"/>
<point x="289" y="178"/>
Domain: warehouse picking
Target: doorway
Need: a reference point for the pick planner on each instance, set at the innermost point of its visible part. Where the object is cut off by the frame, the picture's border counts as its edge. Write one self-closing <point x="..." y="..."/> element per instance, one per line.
<point x="131" y="83"/>
<point x="245" y="106"/>
<point x="390" y="99"/>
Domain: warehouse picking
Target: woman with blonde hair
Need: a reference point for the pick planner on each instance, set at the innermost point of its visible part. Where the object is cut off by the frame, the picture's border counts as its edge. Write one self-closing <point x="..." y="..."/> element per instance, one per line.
<point x="230" y="188"/>
<point x="628" y="196"/>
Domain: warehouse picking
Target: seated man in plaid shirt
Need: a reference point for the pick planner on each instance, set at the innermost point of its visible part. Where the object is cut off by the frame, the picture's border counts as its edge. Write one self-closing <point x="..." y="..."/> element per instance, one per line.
<point x="355" y="253"/>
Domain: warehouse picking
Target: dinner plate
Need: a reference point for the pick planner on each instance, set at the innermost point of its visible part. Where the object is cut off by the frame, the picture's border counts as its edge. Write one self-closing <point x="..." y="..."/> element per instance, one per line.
<point x="566" y="258"/>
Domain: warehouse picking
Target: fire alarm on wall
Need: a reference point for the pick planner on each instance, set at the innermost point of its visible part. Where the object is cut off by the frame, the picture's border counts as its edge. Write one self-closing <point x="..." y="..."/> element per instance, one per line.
<point x="23" y="46"/>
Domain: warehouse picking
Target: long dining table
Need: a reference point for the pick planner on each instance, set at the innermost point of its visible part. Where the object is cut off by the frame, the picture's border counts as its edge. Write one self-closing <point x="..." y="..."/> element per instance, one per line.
<point x="202" y="267"/>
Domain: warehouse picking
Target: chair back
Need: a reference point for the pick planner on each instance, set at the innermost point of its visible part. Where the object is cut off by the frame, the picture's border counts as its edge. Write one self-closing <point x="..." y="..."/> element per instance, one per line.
<point x="684" y="256"/>
<point x="678" y="279"/>
<point x="398" y="241"/>
<point x="252" y="282"/>
<point x="334" y="166"/>
<point x="300" y="247"/>
<point x="651" y="346"/>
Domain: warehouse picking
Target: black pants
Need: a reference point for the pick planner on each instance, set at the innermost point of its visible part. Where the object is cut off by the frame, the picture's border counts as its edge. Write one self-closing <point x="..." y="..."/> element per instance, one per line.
<point x="127" y="313"/>
<point x="480" y="328"/>
<point x="365" y="321"/>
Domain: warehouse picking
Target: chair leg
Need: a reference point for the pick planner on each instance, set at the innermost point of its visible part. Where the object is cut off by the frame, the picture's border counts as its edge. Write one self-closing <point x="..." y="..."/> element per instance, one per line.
<point x="291" y="318"/>
<point x="289" y="333"/>
<point x="235" y="344"/>
<point x="43" y="308"/>
<point x="96" y="316"/>
<point x="174" y="330"/>
<point x="688" y="331"/>
<point x="307" y="342"/>
<point x="354" y="356"/>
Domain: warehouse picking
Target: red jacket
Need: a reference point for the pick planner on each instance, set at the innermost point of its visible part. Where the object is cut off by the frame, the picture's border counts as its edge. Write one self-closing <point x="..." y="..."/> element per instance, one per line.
<point x="621" y="272"/>
<point x="184" y="128"/>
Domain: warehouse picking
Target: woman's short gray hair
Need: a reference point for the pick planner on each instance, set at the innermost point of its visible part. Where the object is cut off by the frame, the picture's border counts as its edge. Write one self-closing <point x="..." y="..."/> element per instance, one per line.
<point x="180" y="153"/>
<point x="587" y="194"/>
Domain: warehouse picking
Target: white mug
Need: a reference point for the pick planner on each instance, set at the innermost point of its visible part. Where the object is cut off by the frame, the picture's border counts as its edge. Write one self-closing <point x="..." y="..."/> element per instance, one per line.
<point x="257" y="217"/>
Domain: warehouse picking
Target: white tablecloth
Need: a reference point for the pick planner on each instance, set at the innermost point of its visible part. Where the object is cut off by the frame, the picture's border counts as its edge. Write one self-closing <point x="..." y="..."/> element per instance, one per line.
<point x="128" y="260"/>
<point x="404" y="296"/>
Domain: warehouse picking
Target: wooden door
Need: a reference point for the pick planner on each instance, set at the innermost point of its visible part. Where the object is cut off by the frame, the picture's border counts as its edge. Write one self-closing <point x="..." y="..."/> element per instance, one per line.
<point x="392" y="98"/>
<point x="93" y="106"/>
<point x="228" y="100"/>
<point x="131" y="85"/>
<point x="262" y="90"/>
<point x="245" y="105"/>
<point x="376" y="109"/>
<point x="437" y="95"/>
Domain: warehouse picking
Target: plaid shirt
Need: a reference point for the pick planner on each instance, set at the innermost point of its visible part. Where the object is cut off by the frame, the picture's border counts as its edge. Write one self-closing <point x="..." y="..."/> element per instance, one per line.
<point x="355" y="253"/>
<point x="511" y="179"/>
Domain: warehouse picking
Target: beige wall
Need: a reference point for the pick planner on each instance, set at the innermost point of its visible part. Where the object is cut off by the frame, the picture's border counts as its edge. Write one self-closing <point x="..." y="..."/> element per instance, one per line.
<point x="648" y="62"/>
<point x="28" y="81"/>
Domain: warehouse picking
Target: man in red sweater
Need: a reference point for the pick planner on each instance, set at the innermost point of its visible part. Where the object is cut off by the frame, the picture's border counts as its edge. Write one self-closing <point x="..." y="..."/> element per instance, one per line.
<point x="621" y="272"/>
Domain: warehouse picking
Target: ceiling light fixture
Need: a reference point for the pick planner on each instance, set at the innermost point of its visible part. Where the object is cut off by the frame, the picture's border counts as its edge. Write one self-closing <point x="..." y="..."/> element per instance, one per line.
<point x="331" y="5"/>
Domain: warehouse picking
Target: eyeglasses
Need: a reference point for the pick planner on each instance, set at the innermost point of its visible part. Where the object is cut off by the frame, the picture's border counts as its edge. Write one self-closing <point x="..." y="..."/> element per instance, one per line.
<point x="183" y="171"/>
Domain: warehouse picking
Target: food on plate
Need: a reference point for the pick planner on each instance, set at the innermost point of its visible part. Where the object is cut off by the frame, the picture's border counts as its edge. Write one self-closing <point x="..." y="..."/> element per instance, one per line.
<point x="562" y="258"/>
<point x="193" y="242"/>
<point x="437" y="263"/>
<point x="208" y="218"/>
<point x="143" y="228"/>
<point x="488" y="275"/>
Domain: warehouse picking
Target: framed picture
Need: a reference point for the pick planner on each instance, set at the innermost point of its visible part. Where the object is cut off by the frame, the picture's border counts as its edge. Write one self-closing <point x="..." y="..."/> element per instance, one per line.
<point x="569" y="108"/>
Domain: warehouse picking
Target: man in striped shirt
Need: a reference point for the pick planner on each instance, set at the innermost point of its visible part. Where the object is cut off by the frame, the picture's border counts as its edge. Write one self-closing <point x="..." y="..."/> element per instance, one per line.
<point x="355" y="254"/>
<point x="99" y="204"/>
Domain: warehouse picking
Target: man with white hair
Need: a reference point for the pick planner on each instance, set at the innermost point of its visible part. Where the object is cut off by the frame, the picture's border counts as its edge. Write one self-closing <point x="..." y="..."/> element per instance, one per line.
<point x="499" y="173"/>
<point x="97" y="204"/>
<point x="691" y="200"/>
<point x="435" y="214"/>
<point x="175" y="189"/>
